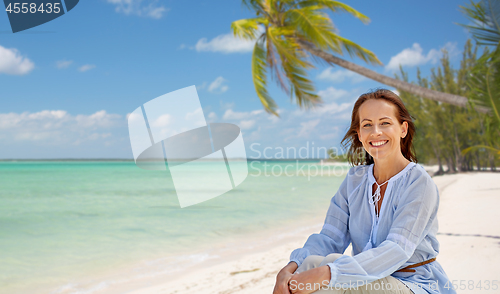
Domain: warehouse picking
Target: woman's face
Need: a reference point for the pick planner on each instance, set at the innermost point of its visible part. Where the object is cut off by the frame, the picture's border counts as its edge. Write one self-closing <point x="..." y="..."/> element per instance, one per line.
<point x="380" y="131"/>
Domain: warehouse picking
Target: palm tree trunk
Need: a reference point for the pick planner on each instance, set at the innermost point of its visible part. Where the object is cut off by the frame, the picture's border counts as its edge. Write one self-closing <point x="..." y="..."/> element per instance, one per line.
<point x="451" y="165"/>
<point x="478" y="160"/>
<point x="437" y="152"/>
<point x="398" y="84"/>
<point x="459" y="158"/>
<point x="492" y="162"/>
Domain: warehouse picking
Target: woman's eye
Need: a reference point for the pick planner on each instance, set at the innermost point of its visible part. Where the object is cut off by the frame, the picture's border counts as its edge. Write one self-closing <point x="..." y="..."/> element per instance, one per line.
<point x="385" y="122"/>
<point x="367" y="125"/>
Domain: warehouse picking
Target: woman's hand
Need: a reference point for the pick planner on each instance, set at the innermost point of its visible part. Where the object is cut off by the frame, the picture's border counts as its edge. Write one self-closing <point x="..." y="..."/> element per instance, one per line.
<point x="310" y="280"/>
<point x="283" y="278"/>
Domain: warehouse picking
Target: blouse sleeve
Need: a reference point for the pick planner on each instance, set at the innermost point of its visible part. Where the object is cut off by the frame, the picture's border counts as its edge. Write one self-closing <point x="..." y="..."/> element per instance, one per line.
<point x="334" y="236"/>
<point x="413" y="218"/>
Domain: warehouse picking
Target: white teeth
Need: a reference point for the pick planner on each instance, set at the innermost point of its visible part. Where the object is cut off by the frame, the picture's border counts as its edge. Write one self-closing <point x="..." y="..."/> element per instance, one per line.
<point x="380" y="143"/>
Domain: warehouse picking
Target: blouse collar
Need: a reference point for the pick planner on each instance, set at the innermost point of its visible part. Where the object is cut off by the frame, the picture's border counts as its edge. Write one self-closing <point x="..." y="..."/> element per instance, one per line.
<point x="393" y="178"/>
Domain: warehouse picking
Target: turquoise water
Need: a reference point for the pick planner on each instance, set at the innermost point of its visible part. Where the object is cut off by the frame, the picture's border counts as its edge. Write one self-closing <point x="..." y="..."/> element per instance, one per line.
<point x="60" y="221"/>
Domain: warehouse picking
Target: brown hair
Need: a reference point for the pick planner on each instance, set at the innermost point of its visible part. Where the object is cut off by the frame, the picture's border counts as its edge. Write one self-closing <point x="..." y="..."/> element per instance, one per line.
<point x="356" y="154"/>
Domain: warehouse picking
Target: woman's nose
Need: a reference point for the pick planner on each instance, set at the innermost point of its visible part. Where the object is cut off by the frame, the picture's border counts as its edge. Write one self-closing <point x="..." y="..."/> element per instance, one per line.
<point x="376" y="130"/>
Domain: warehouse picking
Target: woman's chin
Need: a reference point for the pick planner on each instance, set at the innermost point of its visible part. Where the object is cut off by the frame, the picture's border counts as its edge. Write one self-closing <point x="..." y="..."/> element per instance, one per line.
<point x="376" y="154"/>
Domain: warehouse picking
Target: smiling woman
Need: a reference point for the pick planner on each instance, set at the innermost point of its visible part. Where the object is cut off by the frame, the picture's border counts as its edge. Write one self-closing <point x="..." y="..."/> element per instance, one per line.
<point x="386" y="208"/>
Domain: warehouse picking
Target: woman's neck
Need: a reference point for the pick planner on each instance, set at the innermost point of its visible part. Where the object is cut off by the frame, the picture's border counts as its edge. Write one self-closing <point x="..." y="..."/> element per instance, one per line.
<point x="383" y="170"/>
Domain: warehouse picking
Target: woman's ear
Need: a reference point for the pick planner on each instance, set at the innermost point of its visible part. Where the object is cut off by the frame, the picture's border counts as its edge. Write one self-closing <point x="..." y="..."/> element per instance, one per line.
<point x="404" y="128"/>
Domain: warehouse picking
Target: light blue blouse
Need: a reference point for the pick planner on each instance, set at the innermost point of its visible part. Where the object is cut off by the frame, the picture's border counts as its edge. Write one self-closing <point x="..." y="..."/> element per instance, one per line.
<point x="403" y="234"/>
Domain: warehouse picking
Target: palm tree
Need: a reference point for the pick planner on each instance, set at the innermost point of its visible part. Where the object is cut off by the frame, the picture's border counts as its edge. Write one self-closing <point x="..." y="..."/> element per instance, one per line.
<point x="295" y="30"/>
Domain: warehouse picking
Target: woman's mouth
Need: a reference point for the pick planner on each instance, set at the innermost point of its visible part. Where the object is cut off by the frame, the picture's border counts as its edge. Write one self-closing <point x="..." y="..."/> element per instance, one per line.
<point x="378" y="143"/>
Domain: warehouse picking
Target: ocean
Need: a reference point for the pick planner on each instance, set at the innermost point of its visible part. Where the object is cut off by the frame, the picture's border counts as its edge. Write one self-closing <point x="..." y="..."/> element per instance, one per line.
<point x="80" y="226"/>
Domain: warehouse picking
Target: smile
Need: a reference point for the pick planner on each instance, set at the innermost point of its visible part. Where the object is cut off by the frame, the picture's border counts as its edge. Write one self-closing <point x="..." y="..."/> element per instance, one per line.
<point x="378" y="143"/>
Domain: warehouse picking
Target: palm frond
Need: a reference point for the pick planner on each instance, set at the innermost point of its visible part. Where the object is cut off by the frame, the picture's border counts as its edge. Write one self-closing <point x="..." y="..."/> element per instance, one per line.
<point x="259" y="75"/>
<point x="492" y="83"/>
<point x="253" y="4"/>
<point x="355" y="50"/>
<point x="301" y="86"/>
<point x="247" y="28"/>
<point x="486" y="16"/>
<point x="275" y="66"/>
<point x="334" y="6"/>
<point x="314" y="25"/>
<point x="484" y="80"/>
<point x="283" y="40"/>
<point x="477" y="147"/>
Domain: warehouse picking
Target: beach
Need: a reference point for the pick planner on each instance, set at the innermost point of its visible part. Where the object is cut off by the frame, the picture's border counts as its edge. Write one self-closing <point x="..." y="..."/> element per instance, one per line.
<point x="469" y="236"/>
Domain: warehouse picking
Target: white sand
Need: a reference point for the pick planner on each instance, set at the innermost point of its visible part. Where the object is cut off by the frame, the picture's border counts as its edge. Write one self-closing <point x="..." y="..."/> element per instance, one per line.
<point x="468" y="206"/>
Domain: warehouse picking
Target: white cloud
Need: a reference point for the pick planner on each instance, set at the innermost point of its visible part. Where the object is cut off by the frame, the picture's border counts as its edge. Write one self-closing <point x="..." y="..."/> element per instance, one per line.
<point x="332" y="108"/>
<point x="227" y="43"/>
<point x="86" y="67"/>
<point x="246" y="124"/>
<point x="340" y="76"/>
<point x="226" y="106"/>
<point x="162" y="121"/>
<point x="202" y="86"/>
<point x="196" y="118"/>
<point x="233" y="115"/>
<point x="212" y="116"/>
<point x="230" y="114"/>
<point x="307" y="128"/>
<point x="414" y="56"/>
<point x="63" y="63"/>
<point x="332" y="94"/>
<point x="146" y="8"/>
<point x="13" y="63"/>
<point x="217" y="86"/>
<point x="55" y="127"/>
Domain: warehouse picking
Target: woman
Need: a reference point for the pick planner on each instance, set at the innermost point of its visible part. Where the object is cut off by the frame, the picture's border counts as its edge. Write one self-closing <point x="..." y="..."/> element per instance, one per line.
<point x="386" y="207"/>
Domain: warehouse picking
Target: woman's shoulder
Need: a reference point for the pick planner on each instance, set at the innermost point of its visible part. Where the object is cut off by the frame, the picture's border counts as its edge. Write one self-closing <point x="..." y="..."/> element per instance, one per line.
<point x="352" y="181"/>
<point x="420" y="184"/>
<point x="419" y="172"/>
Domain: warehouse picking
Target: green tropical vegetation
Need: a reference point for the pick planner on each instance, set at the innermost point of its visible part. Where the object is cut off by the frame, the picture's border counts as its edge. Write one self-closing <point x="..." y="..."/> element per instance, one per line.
<point x="291" y="34"/>
<point x="486" y="75"/>
<point x="463" y="139"/>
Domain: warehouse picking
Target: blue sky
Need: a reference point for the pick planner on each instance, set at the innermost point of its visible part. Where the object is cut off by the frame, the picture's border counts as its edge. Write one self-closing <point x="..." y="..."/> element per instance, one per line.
<point x="67" y="86"/>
